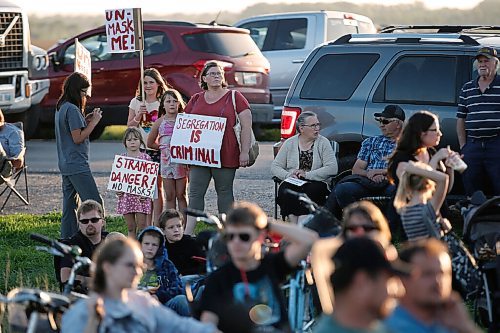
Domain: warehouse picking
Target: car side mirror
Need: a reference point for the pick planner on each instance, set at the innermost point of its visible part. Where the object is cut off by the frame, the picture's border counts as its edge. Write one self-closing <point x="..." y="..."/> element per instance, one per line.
<point x="55" y="59"/>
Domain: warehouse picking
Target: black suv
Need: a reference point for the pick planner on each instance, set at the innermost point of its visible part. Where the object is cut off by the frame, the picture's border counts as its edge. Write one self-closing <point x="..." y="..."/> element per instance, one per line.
<point x="348" y="80"/>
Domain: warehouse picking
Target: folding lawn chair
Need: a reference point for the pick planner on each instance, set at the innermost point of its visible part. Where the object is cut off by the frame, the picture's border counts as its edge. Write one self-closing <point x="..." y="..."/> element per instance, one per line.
<point x="10" y="182"/>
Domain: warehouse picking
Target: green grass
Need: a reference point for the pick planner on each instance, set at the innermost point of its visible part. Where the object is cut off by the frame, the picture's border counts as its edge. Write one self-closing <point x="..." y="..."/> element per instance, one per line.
<point x="114" y="132"/>
<point x="21" y="265"/>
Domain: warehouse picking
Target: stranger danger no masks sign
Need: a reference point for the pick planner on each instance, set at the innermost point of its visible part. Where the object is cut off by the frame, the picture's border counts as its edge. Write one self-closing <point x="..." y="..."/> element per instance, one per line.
<point x="134" y="176"/>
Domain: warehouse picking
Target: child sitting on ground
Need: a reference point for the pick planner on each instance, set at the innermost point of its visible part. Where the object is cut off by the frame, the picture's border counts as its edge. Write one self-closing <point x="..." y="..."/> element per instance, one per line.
<point x="182" y="249"/>
<point x="419" y="197"/>
<point x="161" y="279"/>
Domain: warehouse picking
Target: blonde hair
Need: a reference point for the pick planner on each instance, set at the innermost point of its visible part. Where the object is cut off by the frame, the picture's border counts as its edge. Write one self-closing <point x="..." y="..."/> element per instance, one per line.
<point x="410" y="183"/>
<point x="135" y="133"/>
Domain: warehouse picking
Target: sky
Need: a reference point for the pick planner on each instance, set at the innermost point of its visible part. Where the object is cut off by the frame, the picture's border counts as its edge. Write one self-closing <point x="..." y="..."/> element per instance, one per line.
<point x="49" y="7"/>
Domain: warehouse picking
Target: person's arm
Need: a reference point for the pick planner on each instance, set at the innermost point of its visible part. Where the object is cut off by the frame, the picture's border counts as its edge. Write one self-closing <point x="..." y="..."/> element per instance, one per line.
<point x="279" y="164"/>
<point x="246" y="129"/>
<point x="462" y="137"/>
<point x="301" y="240"/>
<point x="79" y="135"/>
<point x="153" y="135"/>
<point x="359" y="168"/>
<point x="440" y="178"/>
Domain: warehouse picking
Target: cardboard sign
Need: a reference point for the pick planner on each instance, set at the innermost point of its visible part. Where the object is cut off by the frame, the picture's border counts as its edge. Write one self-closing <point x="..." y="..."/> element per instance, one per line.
<point x="124" y="30"/>
<point x="83" y="63"/>
<point x="197" y="140"/>
<point x="134" y="176"/>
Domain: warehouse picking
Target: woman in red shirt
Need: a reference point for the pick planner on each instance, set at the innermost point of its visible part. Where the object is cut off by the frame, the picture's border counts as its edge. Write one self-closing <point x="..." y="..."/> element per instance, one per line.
<point x="216" y="100"/>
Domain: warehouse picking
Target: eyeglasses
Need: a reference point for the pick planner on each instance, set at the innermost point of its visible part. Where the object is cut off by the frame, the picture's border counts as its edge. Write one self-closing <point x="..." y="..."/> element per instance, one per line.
<point x="385" y="121"/>
<point x="317" y="125"/>
<point x="244" y="236"/>
<point x="94" y="220"/>
<point x="214" y="74"/>
<point x="366" y="228"/>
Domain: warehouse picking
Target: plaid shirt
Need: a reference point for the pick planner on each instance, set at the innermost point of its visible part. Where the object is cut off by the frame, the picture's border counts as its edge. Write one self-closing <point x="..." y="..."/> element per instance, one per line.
<point x="376" y="151"/>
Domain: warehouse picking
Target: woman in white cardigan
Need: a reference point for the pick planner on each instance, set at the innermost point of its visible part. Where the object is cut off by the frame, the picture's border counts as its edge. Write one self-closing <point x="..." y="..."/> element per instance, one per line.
<point x="307" y="156"/>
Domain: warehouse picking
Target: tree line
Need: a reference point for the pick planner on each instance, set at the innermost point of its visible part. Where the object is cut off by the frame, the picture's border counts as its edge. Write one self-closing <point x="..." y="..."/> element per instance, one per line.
<point x="48" y="30"/>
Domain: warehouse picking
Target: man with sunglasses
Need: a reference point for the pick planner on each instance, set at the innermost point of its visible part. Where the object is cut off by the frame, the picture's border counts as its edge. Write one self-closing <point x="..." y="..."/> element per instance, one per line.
<point x="90" y="234"/>
<point x="369" y="172"/>
<point x="245" y="294"/>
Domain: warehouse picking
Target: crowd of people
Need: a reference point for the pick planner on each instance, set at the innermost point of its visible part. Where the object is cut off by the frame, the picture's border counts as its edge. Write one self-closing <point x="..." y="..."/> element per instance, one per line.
<point x="144" y="281"/>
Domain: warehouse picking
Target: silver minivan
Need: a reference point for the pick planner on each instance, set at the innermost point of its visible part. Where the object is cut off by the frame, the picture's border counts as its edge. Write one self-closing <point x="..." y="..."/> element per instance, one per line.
<point x="287" y="39"/>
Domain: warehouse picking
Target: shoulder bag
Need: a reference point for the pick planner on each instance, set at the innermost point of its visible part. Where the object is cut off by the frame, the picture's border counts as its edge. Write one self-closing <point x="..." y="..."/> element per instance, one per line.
<point x="253" y="153"/>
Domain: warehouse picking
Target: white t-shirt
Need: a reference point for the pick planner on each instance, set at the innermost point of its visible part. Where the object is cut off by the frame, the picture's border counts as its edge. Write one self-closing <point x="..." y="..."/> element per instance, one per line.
<point x="152" y="108"/>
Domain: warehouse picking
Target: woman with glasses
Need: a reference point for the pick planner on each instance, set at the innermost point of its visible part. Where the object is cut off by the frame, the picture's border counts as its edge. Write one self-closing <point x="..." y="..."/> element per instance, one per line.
<point x="72" y="129"/>
<point x="305" y="163"/>
<point x="421" y="134"/>
<point x="116" y="306"/>
<point x="217" y="101"/>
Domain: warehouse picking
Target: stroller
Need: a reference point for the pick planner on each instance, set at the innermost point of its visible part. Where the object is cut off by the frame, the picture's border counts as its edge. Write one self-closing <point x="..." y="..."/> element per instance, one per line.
<point x="482" y="234"/>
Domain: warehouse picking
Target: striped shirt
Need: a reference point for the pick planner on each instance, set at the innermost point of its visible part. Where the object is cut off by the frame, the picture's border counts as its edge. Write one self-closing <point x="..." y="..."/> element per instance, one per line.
<point x="375" y="151"/>
<point x="481" y="111"/>
<point x="413" y="220"/>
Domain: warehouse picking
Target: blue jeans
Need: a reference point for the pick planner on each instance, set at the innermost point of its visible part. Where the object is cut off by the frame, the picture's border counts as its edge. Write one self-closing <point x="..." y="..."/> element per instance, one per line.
<point x="180" y="305"/>
<point x="76" y="188"/>
<point x="349" y="192"/>
<point x="482" y="157"/>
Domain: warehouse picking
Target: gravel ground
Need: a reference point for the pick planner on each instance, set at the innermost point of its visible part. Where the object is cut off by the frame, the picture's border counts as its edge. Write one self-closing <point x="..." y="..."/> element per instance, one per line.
<point x="46" y="194"/>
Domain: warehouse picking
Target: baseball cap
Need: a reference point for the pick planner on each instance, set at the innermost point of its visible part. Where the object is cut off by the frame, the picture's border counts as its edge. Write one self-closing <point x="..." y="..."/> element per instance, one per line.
<point x="392" y="111"/>
<point x="486" y="51"/>
<point x="363" y="254"/>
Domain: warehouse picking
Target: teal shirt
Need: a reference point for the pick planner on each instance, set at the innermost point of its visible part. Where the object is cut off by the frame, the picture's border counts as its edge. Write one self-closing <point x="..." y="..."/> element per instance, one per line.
<point x="402" y="321"/>
<point x="326" y="324"/>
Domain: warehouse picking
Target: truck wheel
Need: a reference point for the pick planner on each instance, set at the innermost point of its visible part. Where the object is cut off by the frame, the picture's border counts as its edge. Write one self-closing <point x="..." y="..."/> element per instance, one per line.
<point x="346" y="162"/>
<point x="97" y="132"/>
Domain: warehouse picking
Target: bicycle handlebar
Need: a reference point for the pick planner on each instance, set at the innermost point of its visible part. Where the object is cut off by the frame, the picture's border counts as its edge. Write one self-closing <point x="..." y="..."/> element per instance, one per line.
<point x="196" y="212"/>
<point x="73" y="251"/>
<point x="302" y="197"/>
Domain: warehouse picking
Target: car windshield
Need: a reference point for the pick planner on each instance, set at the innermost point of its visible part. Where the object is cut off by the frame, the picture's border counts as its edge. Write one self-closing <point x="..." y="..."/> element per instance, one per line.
<point x="227" y="44"/>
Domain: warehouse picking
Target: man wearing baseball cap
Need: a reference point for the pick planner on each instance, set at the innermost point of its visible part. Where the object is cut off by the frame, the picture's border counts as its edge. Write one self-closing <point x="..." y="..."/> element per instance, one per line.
<point x="360" y="283"/>
<point x="478" y="125"/>
<point x="370" y="169"/>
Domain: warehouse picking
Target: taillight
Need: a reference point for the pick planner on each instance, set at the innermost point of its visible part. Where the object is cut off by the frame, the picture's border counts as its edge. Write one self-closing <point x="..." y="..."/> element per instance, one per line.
<point x="288" y="118"/>
<point x="198" y="65"/>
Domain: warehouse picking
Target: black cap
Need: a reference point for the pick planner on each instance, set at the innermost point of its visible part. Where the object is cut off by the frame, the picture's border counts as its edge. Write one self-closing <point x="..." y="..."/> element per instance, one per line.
<point x="363" y="254"/>
<point x="487" y="52"/>
<point x="392" y="111"/>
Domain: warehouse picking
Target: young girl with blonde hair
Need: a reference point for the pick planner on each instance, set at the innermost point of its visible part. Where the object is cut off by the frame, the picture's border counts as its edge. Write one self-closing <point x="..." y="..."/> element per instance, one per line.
<point x="420" y="194"/>
<point x="175" y="175"/>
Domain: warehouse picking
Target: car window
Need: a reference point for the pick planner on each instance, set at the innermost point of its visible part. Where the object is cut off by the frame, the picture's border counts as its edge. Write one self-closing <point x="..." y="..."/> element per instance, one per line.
<point x="223" y="43"/>
<point x="420" y="80"/>
<point x="258" y="31"/>
<point x="155" y="42"/>
<point x="290" y="34"/>
<point x="336" y="28"/>
<point x="97" y="46"/>
<point x="336" y="76"/>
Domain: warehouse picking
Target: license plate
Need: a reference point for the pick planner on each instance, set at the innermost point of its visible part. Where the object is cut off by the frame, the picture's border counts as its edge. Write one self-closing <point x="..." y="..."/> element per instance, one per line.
<point x="250" y="79"/>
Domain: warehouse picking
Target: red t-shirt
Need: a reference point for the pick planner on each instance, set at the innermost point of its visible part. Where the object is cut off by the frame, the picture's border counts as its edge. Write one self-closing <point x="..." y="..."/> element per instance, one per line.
<point x="230" y="152"/>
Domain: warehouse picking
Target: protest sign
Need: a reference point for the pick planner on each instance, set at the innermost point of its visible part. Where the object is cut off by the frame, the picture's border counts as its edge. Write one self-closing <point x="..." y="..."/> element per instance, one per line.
<point x="197" y="140"/>
<point x="83" y="63"/>
<point x="124" y="30"/>
<point x="134" y="176"/>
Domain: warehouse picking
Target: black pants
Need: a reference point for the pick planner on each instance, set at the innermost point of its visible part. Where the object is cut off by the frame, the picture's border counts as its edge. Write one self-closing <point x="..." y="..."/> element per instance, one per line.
<point x="290" y="205"/>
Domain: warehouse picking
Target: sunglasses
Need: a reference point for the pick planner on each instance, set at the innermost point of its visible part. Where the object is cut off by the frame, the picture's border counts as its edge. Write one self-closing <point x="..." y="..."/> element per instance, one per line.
<point x="244" y="236"/>
<point x="366" y="228"/>
<point x="93" y="220"/>
<point x="385" y="121"/>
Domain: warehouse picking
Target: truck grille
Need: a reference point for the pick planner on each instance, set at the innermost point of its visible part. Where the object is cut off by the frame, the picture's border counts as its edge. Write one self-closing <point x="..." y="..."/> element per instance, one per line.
<point x="11" y="52"/>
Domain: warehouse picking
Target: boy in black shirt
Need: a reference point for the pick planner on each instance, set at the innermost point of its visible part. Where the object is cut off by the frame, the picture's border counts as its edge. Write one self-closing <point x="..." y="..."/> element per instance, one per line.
<point x="245" y="293"/>
<point x="182" y="249"/>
